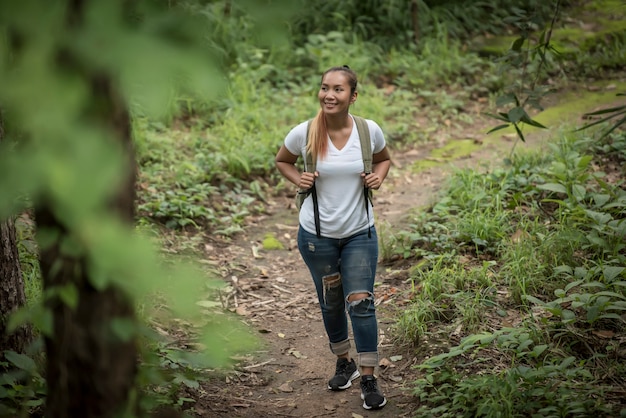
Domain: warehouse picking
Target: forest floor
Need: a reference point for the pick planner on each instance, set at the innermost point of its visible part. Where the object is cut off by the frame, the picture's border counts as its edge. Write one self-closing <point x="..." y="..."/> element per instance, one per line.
<point x="274" y="294"/>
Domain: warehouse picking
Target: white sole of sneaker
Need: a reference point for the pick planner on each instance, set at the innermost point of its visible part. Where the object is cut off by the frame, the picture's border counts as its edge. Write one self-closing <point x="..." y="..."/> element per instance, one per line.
<point x="347" y="385"/>
<point x="373" y="407"/>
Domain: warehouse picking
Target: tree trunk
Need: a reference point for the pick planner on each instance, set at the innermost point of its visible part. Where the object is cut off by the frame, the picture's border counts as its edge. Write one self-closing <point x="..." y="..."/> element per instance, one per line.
<point x="11" y="290"/>
<point x="415" y="21"/>
<point x="90" y="370"/>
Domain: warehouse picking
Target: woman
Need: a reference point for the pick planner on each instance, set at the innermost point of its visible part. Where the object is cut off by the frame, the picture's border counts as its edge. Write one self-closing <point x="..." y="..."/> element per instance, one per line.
<point x="342" y="257"/>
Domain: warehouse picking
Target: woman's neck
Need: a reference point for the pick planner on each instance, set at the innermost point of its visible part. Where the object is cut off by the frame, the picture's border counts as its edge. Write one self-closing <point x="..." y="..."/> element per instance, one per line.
<point x="336" y="122"/>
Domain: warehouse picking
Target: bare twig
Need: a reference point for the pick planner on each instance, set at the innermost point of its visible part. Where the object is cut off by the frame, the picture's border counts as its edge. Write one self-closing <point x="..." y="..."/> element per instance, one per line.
<point x="252" y="366"/>
<point x="275" y="286"/>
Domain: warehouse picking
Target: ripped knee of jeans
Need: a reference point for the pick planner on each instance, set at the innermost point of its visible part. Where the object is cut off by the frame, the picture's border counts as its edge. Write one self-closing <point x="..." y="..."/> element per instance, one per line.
<point x="361" y="305"/>
<point x="331" y="281"/>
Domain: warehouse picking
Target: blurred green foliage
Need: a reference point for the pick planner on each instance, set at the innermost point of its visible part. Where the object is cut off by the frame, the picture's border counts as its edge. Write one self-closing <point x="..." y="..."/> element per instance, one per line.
<point x="213" y="87"/>
<point x="59" y="154"/>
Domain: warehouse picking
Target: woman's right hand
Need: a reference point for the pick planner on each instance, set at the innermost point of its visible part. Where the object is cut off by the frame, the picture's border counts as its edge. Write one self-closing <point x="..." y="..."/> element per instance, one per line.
<point x="306" y="180"/>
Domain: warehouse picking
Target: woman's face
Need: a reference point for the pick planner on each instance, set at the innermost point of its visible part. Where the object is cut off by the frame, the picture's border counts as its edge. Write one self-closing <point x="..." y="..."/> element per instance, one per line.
<point x="334" y="95"/>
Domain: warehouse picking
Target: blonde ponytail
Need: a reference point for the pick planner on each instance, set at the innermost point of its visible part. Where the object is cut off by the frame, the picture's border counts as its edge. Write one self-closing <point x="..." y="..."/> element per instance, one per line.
<point x="317" y="142"/>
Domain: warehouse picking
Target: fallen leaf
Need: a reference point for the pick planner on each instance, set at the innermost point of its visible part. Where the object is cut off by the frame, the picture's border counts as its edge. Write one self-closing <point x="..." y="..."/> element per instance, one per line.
<point x="297" y="354"/>
<point x="355" y="415"/>
<point x="384" y="362"/>
<point x="604" y="333"/>
<point x="519" y="235"/>
<point x="285" y="387"/>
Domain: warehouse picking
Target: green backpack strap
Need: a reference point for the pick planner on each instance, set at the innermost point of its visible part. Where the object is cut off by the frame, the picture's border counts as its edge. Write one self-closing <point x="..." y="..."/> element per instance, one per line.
<point x="366" y="151"/>
<point x="366" y="143"/>
<point x="310" y="167"/>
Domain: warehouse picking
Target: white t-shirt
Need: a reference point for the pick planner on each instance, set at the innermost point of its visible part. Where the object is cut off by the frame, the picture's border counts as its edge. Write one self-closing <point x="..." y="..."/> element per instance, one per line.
<point x="339" y="185"/>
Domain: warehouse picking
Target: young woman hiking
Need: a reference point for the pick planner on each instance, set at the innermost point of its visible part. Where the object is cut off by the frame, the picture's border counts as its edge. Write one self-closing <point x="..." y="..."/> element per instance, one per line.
<point x="337" y="237"/>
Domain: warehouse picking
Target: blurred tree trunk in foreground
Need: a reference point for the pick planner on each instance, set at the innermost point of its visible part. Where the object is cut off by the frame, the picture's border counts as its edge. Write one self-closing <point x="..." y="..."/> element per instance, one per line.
<point x="91" y="368"/>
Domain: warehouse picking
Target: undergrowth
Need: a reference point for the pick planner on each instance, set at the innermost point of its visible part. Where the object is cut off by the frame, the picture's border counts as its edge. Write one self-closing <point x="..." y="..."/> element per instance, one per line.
<point x="525" y="266"/>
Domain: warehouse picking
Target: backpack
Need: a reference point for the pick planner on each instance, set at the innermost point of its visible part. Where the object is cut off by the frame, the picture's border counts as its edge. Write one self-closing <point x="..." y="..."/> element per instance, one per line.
<point x="310" y="166"/>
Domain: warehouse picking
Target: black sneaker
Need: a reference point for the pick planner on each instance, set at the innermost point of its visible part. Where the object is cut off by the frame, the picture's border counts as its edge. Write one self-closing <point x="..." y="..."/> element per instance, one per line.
<point x="372" y="398"/>
<point x="345" y="372"/>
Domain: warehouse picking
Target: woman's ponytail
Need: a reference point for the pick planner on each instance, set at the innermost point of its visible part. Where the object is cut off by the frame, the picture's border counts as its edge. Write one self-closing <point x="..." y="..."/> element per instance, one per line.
<point x="317" y="143"/>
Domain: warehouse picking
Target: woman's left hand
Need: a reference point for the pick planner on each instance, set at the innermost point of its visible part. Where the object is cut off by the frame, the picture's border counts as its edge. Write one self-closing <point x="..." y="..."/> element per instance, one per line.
<point x="372" y="180"/>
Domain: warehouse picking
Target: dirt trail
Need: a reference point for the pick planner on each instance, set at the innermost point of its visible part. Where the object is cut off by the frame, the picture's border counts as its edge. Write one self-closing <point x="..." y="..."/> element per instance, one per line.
<point x="274" y="293"/>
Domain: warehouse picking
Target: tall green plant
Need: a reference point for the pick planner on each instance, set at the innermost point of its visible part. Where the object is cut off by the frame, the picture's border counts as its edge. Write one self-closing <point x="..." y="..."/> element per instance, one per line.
<point x="67" y="71"/>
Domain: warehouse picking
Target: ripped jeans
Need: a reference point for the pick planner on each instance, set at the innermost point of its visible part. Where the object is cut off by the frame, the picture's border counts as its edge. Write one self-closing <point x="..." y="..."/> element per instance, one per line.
<point x="339" y="268"/>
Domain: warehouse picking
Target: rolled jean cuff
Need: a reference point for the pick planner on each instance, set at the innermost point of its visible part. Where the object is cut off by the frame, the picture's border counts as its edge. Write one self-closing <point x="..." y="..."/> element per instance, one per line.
<point x="340" y="348"/>
<point x="368" y="359"/>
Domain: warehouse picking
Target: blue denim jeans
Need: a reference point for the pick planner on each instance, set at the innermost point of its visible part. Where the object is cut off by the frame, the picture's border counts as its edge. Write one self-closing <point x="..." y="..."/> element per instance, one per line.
<point x="339" y="268"/>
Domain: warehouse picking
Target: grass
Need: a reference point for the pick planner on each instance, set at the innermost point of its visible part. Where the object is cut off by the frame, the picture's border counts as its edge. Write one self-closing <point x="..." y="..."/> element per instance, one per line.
<point x="535" y="245"/>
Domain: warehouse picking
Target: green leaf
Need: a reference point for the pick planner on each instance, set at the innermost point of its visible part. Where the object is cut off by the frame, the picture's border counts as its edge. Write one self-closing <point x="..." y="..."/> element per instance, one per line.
<point x="553" y="187"/>
<point x="501" y="116"/>
<point x="533" y="122"/>
<point x="518" y="43"/>
<point x="516" y="114"/>
<point x="573" y="284"/>
<point x="579" y="191"/>
<point x="592" y="314"/>
<point x="505" y="99"/>
<point x="602" y="218"/>
<point x="567" y="362"/>
<point x="605" y="111"/>
<point x="21" y="361"/>
<point x="538" y="349"/>
<point x="611" y="272"/>
<point x="610" y="294"/>
<point x="519" y="132"/>
<point x="611" y="316"/>
<point x="568" y="315"/>
<point x="497" y="128"/>
<point x="534" y="300"/>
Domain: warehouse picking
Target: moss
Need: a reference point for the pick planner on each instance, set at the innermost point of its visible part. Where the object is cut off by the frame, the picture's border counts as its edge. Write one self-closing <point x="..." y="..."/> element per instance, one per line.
<point x="571" y="107"/>
<point x="270" y="242"/>
<point x="451" y="151"/>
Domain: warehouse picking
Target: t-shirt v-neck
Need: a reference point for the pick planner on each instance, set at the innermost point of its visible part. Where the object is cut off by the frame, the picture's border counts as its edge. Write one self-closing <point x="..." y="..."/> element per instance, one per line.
<point x="346" y="145"/>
